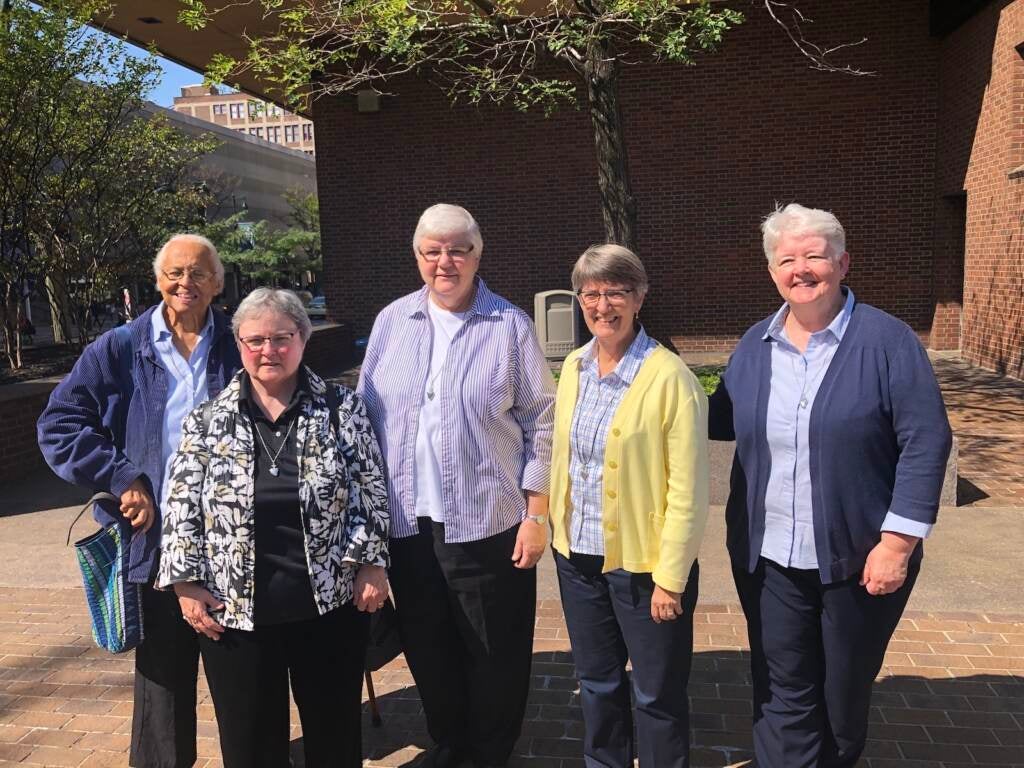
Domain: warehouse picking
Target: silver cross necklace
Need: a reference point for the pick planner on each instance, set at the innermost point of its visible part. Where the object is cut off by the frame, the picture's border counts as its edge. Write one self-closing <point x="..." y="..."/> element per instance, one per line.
<point x="432" y="379"/>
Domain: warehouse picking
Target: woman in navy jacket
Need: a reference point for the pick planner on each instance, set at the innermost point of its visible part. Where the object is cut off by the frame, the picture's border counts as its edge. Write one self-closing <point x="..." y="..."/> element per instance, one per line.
<point x="841" y="447"/>
<point x="112" y="425"/>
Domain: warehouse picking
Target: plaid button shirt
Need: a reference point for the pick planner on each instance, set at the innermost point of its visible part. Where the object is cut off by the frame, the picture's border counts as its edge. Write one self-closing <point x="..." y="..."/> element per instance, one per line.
<point x="595" y="407"/>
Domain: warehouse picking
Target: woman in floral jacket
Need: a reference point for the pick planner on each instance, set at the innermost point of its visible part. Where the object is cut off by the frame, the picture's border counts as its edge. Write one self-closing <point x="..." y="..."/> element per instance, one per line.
<point x="275" y="541"/>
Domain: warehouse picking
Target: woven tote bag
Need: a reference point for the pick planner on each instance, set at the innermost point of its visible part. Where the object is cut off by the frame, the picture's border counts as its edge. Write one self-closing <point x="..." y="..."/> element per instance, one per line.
<point x="115" y="604"/>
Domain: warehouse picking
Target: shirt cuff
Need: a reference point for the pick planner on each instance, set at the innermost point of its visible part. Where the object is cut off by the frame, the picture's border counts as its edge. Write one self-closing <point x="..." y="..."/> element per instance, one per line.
<point x="894" y="523"/>
<point x="537" y="477"/>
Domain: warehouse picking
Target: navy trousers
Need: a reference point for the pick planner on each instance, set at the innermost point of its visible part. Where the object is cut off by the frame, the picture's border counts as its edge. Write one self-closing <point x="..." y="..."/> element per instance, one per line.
<point x="609" y="620"/>
<point x="815" y="650"/>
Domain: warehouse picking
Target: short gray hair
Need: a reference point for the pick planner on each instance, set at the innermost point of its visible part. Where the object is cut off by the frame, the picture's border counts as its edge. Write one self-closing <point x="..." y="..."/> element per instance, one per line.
<point x="610" y="263"/>
<point x="795" y="219"/>
<point x="186" y="237"/>
<point x="277" y="300"/>
<point x="444" y="220"/>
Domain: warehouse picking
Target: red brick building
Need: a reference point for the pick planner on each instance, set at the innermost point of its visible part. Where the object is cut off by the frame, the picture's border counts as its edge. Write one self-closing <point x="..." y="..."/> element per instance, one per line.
<point x="921" y="162"/>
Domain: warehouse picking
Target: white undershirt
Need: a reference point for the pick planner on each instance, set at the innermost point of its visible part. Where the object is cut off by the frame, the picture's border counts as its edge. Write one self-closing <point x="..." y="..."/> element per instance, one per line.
<point x="428" y="436"/>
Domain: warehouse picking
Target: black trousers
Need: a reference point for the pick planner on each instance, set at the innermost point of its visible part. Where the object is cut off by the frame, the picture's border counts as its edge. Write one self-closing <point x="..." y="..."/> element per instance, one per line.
<point x="166" y="671"/>
<point x="249" y="672"/>
<point x="466" y="618"/>
<point x="609" y="620"/>
<point x="815" y="650"/>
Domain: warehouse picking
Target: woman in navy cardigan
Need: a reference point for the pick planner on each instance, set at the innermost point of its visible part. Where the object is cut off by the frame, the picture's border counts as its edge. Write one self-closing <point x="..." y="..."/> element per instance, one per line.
<point x="841" y="446"/>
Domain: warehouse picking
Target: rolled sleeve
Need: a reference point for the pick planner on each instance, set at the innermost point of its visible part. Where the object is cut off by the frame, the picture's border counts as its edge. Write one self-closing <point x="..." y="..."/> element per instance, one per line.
<point x="534" y="410"/>
<point x="894" y="523"/>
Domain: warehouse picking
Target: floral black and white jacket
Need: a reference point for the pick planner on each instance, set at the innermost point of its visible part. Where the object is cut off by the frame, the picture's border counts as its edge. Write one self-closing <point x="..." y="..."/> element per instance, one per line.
<point x="208" y="526"/>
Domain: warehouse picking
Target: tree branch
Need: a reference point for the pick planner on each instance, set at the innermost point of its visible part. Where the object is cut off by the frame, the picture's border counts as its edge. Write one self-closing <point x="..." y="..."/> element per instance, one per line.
<point x="818" y="55"/>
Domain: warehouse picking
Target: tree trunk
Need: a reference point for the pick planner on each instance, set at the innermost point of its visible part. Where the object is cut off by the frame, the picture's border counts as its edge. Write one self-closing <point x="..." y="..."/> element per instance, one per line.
<point x="58" y="308"/>
<point x="618" y="208"/>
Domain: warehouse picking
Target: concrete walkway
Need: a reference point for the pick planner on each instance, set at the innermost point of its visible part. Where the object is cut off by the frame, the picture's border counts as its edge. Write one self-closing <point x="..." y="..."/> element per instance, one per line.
<point x="951" y="693"/>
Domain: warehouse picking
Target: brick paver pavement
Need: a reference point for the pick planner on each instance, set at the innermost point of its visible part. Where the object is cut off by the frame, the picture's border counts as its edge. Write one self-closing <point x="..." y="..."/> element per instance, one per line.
<point x="986" y="411"/>
<point x="951" y="693"/>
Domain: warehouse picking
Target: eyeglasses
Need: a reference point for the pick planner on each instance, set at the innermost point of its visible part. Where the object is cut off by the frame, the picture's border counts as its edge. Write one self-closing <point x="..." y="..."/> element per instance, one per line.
<point x="198" y="276"/>
<point x="279" y="341"/>
<point x="614" y="296"/>
<point x="455" y="254"/>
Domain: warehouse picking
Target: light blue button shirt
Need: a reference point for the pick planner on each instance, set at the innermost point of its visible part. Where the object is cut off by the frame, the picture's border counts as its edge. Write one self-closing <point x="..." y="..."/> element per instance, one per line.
<point x="795" y="380"/>
<point x="186" y="385"/>
<point x="597" y="403"/>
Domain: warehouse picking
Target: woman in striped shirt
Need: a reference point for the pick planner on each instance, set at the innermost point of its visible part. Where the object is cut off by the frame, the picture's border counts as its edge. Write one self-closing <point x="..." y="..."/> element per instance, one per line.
<point x="629" y="501"/>
<point x="461" y="398"/>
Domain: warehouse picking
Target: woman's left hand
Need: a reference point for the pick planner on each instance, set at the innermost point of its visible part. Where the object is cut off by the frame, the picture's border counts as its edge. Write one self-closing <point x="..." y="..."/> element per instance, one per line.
<point x="886" y="567"/>
<point x="665" y="605"/>
<point x="371" y="588"/>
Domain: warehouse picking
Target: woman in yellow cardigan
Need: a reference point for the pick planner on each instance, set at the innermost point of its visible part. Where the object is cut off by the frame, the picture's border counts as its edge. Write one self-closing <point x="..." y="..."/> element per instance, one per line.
<point x="629" y="501"/>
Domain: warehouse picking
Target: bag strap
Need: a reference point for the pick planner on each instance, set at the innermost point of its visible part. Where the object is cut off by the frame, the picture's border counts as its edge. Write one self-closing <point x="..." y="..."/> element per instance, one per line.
<point x="98" y="496"/>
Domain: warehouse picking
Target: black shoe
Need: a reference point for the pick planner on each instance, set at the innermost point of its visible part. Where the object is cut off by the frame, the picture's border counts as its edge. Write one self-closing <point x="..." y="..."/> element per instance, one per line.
<point x="441" y="756"/>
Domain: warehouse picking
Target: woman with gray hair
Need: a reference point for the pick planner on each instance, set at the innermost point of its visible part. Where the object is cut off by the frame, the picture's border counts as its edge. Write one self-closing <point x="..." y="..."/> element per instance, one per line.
<point x="275" y="541"/>
<point x="461" y="398"/>
<point x="841" y="446"/>
<point x="629" y="501"/>
<point x="113" y="425"/>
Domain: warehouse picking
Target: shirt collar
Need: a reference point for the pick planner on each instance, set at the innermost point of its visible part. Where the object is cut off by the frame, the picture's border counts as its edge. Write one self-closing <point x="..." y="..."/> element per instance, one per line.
<point x="484" y="302"/>
<point x="302" y="391"/>
<point x="628" y="367"/>
<point x="161" y="331"/>
<point x="776" y="328"/>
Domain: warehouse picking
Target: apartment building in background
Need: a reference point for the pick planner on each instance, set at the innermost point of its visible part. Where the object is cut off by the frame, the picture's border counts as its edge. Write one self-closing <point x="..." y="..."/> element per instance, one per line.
<point x="248" y="115"/>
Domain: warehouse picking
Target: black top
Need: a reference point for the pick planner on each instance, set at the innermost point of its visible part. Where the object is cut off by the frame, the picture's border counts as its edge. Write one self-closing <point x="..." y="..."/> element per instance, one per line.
<point x="282" y="590"/>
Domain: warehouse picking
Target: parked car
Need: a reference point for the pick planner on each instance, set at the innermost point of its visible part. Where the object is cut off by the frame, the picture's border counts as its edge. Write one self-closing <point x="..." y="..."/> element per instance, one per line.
<point x="317" y="308"/>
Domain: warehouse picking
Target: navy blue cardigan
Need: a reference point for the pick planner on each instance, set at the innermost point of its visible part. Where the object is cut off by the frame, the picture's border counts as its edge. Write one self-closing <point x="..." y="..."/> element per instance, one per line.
<point x="879" y="439"/>
<point x="103" y="432"/>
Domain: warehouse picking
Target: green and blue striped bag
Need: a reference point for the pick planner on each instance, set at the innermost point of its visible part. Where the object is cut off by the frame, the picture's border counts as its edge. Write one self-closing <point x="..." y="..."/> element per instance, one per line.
<point x="115" y="604"/>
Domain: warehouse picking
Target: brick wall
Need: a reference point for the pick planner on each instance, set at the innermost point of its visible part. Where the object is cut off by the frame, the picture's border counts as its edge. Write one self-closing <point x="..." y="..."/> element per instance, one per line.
<point x="329" y="349"/>
<point x="981" y="142"/>
<point x="20" y="406"/>
<point x="712" y="148"/>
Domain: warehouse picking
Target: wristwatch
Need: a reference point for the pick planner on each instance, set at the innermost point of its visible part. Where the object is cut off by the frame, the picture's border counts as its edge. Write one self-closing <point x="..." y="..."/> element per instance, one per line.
<point x="538" y="519"/>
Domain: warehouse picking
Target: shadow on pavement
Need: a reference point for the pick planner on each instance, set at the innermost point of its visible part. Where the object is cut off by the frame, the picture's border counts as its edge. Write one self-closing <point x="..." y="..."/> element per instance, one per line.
<point x="38" y="491"/>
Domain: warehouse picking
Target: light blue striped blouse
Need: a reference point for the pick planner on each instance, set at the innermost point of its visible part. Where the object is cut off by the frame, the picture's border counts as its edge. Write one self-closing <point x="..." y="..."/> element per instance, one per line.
<point x="498" y="397"/>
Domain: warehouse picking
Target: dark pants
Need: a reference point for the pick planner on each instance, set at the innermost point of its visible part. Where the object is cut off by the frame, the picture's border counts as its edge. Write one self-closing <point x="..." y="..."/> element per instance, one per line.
<point x="814" y="653"/>
<point x="609" y="620"/>
<point x="466" y="618"/>
<point x="248" y="673"/>
<point x="166" y="670"/>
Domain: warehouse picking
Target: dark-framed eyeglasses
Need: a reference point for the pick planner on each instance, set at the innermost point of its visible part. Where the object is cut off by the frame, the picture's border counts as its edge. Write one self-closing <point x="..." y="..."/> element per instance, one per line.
<point x="455" y="254"/>
<point x="279" y="341"/>
<point x="198" y="276"/>
<point x="614" y="296"/>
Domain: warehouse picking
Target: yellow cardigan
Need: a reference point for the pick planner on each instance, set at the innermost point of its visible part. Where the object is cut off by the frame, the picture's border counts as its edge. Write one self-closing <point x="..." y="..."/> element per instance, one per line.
<point x="655" y="470"/>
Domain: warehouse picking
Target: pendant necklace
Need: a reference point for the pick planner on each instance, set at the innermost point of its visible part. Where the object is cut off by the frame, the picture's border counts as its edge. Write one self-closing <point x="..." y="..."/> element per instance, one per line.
<point x="586" y="461"/>
<point x="430" y="381"/>
<point x="274" y="469"/>
<point x="821" y="372"/>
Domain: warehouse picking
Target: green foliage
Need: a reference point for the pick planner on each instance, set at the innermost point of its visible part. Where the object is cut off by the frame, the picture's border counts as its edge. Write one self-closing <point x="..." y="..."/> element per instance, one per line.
<point x="90" y="183"/>
<point x="708" y="376"/>
<point x="481" y="50"/>
<point x="268" y="253"/>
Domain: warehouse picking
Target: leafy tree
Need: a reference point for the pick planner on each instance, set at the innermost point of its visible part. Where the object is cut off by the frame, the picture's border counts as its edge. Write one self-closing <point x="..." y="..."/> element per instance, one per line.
<point x="89" y="182"/>
<point x="565" y="51"/>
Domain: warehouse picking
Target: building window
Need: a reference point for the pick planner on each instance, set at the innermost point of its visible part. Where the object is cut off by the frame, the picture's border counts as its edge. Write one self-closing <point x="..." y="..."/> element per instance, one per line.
<point x="218" y="109"/>
<point x="274" y="134"/>
<point x="275" y="111"/>
<point x="256" y="132"/>
<point x="256" y="109"/>
<point x="307" y="131"/>
<point x="236" y="110"/>
<point x="291" y="133"/>
<point x="308" y="152"/>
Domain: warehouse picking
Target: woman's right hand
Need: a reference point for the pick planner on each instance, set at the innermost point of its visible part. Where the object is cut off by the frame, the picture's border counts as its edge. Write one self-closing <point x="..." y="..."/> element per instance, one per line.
<point x="137" y="505"/>
<point x="196" y="603"/>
